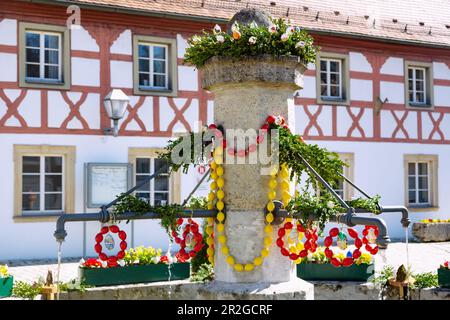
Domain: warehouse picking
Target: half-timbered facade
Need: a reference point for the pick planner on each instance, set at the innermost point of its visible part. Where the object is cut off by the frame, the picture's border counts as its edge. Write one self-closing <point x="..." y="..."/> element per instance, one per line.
<point x="382" y="100"/>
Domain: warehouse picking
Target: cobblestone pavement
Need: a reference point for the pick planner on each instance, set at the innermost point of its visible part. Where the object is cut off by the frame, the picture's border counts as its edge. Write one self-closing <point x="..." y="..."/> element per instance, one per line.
<point x="424" y="257"/>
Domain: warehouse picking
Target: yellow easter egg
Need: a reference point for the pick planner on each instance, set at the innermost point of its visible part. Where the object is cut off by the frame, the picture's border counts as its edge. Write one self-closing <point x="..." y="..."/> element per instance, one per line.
<point x="210" y="241"/>
<point x="222" y="239"/>
<point x="268" y="241"/>
<point x="300" y="246"/>
<point x="225" y="250"/>
<point x="219" y="171"/>
<point x="213" y="165"/>
<point x="220" y="194"/>
<point x="220" y="182"/>
<point x="272" y="183"/>
<point x="210" y="251"/>
<point x="209" y="230"/>
<point x="210" y="220"/>
<point x="230" y="260"/>
<point x="220" y="227"/>
<point x="249" y="267"/>
<point x="220" y="216"/>
<point x="269" y="217"/>
<point x="218" y="159"/>
<point x="285" y="185"/>
<point x="210" y="206"/>
<point x="213" y="185"/>
<point x="238" y="267"/>
<point x="218" y="151"/>
<point x="220" y="205"/>
<point x="211" y="259"/>
<point x="271" y="194"/>
<point x="270" y="206"/>
<point x="268" y="229"/>
<point x="258" y="261"/>
<point x="213" y="175"/>
<point x="211" y="196"/>
<point x="264" y="252"/>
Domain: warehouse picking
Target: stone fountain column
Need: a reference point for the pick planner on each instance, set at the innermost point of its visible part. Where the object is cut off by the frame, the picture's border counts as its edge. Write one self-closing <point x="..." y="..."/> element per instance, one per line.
<point x="246" y="92"/>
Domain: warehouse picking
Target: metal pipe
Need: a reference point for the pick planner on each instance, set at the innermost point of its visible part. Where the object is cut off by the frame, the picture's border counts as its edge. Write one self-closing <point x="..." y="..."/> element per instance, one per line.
<point x="102" y="216"/>
<point x="326" y="185"/>
<point x="405" y="221"/>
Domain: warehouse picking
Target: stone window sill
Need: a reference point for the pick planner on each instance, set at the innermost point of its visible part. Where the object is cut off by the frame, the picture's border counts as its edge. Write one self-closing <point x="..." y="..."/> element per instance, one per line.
<point x="422" y="209"/>
<point x="37" y="217"/>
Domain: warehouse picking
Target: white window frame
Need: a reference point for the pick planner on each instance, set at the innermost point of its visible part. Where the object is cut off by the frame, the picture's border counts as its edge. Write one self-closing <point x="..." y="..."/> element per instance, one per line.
<point x="416" y="181"/>
<point x="42" y="62"/>
<point x="152" y="190"/>
<point x="328" y="81"/>
<point x="151" y="59"/>
<point x="42" y="191"/>
<point x="414" y="81"/>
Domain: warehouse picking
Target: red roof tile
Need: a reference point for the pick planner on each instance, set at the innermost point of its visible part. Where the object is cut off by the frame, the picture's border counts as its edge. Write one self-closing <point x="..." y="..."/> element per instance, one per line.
<point x="420" y="21"/>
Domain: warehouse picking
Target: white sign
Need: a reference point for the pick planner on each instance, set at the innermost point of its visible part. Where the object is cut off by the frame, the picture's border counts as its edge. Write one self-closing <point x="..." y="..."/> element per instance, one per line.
<point x="106" y="181"/>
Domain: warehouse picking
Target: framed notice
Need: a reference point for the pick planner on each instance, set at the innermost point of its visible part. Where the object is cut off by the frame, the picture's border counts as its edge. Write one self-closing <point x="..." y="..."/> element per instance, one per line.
<point x="105" y="181"/>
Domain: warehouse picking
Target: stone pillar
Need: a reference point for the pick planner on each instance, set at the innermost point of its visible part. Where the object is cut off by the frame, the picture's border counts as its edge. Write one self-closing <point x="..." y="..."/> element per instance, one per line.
<point x="246" y="92"/>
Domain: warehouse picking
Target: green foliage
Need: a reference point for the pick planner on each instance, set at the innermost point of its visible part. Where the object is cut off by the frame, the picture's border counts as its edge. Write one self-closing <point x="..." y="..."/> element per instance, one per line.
<point x="204" y="273"/>
<point x="371" y="205"/>
<point x="383" y="277"/>
<point x="425" y="280"/>
<point x="168" y="213"/>
<point x="25" y="290"/>
<point x="73" y="285"/>
<point x="198" y="203"/>
<point x="254" y="40"/>
<point x="142" y="255"/>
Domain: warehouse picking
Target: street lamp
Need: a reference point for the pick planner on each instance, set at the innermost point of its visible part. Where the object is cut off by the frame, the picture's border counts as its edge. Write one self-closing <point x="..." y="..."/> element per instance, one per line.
<point x="115" y="104"/>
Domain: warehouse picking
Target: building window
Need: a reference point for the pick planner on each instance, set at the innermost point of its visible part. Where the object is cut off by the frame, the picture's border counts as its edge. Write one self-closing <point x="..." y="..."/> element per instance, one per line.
<point x="332" y="78"/>
<point x="44" y="56"/>
<point x="42" y="184"/>
<point x="157" y="191"/>
<point x="418" y="84"/>
<point x="421" y="180"/>
<point x="155" y="66"/>
<point x="342" y="188"/>
<point x="161" y="190"/>
<point x="44" y="180"/>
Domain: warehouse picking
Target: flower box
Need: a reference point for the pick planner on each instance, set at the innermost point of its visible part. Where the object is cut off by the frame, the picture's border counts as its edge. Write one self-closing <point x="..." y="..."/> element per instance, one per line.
<point x="326" y="271"/>
<point x="133" y="274"/>
<point x="444" y="277"/>
<point x="6" y="285"/>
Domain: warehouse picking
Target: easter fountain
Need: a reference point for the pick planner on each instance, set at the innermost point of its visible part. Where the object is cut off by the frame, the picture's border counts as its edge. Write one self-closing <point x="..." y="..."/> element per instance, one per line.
<point x="246" y="91"/>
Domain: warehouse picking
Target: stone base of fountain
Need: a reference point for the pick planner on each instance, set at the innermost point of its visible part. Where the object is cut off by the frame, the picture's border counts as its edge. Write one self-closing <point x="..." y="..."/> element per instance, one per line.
<point x="296" y="289"/>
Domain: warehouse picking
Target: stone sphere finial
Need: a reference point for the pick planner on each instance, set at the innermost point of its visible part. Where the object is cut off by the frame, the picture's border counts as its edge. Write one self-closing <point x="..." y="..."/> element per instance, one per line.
<point x="249" y="15"/>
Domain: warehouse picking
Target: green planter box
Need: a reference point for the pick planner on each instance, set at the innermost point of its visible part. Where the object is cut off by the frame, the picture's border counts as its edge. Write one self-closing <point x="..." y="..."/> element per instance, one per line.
<point x="133" y="274"/>
<point x="326" y="271"/>
<point x="444" y="278"/>
<point x="6" y="285"/>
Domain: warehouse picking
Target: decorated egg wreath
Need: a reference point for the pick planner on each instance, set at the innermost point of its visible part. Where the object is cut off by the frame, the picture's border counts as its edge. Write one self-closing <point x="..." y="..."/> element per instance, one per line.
<point x="190" y="228"/>
<point x="112" y="260"/>
<point x="350" y="259"/>
<point x="370" y="235"/>
<point x="300" y="249"/>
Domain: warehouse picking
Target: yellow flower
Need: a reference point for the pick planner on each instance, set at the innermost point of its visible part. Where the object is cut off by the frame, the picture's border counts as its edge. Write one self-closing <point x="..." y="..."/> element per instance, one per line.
<point x="365" y="258"/>
<point x="4" y="271"/>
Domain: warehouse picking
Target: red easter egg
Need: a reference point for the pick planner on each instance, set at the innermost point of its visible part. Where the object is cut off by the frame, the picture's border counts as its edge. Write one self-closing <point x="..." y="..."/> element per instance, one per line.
<point x="281" y="232"/>
<point x="122" y="235"/>
<point x="177" y="240"/>
<point x="104" y="230"/>
<point x="300" y="228"/>
<point x="368" y="248"/>
<point x="103" y="257"/>
<point x="335" y="262"/>
<point x="198" y="247"/>
<point x="293" y="256"/>
<point x="114" y="229"/>
<point x="288" y="225"/>
<point x="123" y="245"/>
<point x="303" y="253"/>
<point x="121" y="255"/>
<point x="352" y="233"/>
<point x="358" y="243"/>
<point x="334" y="232"/>
<point x="313" y="247"/>
<point x="174" y="233"/>
<point x="365" y="232"/>
<point x="284" y="252"/>
<point x="374" y="251"/>
<point x="99" y="237"/>
<point x="265" y="127"/>
<point x="270" y="119"/>
<point x="98" y="248"/>
<point x="356" y="254"/>
<point x="212" y="126"/>
<point x="280" y="243"/>
<point x="180" y="221"/>
<point x="307" y="245"/>
<point x="192" y="254"/>
<point x="328" y="241"/>
<point x="347" y="262"/>
<point x="328" y="253"/>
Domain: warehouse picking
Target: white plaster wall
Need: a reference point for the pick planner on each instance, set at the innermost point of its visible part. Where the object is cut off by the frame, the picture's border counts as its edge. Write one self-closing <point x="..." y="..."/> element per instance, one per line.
<point x="121" y="74"/>
<point x="393" y="91"/>
<point x="85" y="72"/>
<point x="8" y="67"/>
<point x="361" y="90"/>
<point x="358" y="62"/>
<point x="393" y="66"/>
<point x="309" y="88"/>
<point x="187" y="78"/>
<point x="442" y="96"/>
<point x="8" y="32"/>
<point x="122" y="45"/>
<point x="81" y="40"/>
<point x="182" y="44"/>
<point x="441" y="71"/>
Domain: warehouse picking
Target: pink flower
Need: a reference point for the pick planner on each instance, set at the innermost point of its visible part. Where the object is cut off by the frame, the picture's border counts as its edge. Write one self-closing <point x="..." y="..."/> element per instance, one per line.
<point x="284" y="37"/>
<point x="272" y="28"/>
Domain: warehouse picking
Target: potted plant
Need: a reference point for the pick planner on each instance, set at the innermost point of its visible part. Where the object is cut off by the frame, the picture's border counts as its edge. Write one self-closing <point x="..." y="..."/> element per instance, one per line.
<point x="139" y="265"/>
<point x="316" y="266"/>
<point x="6" y="282"/>
<point x="444" y="275"/>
